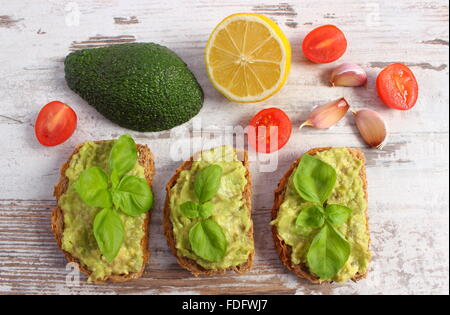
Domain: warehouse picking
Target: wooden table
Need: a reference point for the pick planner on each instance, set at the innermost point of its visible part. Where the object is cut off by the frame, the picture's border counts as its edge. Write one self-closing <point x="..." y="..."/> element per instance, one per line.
<point x="408" y="179"/>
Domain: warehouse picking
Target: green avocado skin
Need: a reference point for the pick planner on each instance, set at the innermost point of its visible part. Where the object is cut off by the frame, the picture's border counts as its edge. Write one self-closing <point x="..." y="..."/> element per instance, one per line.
<point x="139" y="86"/>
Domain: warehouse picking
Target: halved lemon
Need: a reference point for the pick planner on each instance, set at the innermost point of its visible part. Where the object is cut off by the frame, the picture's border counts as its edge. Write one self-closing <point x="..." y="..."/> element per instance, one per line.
<point x="247" y="57"/>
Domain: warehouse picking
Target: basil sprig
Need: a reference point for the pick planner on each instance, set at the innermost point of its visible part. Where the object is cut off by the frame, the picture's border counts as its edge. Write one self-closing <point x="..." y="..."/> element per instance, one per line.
<point x="314" y="181"/>
<point x="114" y="193"/>
<point x="206" y="237"/>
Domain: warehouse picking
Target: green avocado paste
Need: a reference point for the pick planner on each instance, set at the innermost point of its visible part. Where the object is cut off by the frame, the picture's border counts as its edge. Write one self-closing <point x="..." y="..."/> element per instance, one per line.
<point x="349" y="192"/>
<point x="230" y="209"/>
<point x="78" y="236"/>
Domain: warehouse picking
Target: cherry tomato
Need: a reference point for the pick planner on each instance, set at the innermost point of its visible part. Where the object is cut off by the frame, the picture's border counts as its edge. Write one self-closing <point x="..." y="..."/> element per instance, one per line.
<point x="324" y="44"/>
<point x="397" y="87"/>
<point x="55" y="123"/>
<point x="269" y="139"/>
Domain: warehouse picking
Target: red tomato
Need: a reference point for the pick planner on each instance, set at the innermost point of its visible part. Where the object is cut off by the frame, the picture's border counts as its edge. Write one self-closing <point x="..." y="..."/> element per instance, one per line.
<point x="55" y="123"/>
<point x="269" y="139"/>
<point x="324" y="44"/>
<point x="397" y="87"/>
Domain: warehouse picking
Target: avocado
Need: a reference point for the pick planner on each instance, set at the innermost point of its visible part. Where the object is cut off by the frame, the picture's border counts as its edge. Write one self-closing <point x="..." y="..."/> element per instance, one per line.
<point x="139" y="86"/>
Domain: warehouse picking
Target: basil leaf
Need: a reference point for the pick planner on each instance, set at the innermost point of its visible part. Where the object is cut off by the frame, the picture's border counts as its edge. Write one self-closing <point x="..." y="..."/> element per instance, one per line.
<point x="328" y="253"/>
<point x="207" y="182"/>
<point x="314" y="180"/>
<point x="337" y="214"/>
<point x="311" y="217"/>
<point x="123" y="155"/>
<point x="206" y="210"/>
<point x="208" y="240"/>
<point x="190" y="209"/>
<point x="109" y="233"/>
<point x="133" y="196"/>
<point x="92" y="186"/>
<point x="114" y="179"/>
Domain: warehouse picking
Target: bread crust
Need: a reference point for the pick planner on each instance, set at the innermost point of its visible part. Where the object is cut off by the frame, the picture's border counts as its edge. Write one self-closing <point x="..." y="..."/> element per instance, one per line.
<point x="188" y="263"/>
<point x="57" y="217"/>
<point x="284" y="250"/>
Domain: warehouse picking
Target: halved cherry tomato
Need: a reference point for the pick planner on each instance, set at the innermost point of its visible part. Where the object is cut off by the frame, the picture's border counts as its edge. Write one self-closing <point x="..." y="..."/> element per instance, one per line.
<point x="55" y="123"/>
<point x="275" y="135"/>
<point x="324" y="44"/>
<point x="397" y="87"/>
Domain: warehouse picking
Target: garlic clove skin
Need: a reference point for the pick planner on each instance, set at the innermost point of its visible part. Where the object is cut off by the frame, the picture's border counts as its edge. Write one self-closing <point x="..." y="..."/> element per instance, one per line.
<point x="348" y="74"/>
<point x="328" y="115"/>
<point x="371" y="127"/>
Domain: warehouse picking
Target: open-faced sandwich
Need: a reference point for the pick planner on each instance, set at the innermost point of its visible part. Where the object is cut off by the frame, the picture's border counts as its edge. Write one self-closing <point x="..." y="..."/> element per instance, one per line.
<point x="207" y="213"/>
<point x="104" y="197"/>
<point x="320" y="224"/>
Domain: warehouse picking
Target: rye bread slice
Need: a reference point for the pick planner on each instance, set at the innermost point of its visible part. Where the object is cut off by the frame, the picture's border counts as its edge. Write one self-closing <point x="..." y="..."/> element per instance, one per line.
<point x="188" y="263"/>
<point x="57" y="217"/>
<point x="284" y="250"/>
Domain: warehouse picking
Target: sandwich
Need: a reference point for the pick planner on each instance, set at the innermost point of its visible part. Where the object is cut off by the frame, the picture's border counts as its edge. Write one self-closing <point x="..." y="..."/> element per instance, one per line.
<point x="207" y="213"/>
<point x="103" y="201"/>
<point x="320" y="225"/>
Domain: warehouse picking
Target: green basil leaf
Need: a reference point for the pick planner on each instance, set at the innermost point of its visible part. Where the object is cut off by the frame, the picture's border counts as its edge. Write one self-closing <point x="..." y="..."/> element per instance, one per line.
<point x="109" y="233"/>
<point x="208" y="240"/>
<point x="328" y="253"/>
<point x="123" y="155"/>
<point x="114" y="179"/>
<point x="311" y="217"/>
<point x="92" y="186"/>
<point x="133" y="196"/>
<point x="190" y="209"/>
<point x="314" y="180"/>
<point x="207" y="182"/>
<point x="206" y="210"/>
<point x="337" y="214"/>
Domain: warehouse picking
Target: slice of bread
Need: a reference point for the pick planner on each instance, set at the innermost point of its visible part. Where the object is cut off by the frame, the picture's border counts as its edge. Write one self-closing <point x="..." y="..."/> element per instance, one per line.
<point x="145" y="160"/>
<point x="188" y="263"/>
<point x="285" y="250"/>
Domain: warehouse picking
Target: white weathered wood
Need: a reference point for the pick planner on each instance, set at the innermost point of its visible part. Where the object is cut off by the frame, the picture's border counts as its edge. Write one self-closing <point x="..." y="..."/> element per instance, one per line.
<point x="408" y="179"/>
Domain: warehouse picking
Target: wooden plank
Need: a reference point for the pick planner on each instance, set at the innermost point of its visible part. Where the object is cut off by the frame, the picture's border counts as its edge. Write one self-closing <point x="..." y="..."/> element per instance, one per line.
<point x="31" y="263"/>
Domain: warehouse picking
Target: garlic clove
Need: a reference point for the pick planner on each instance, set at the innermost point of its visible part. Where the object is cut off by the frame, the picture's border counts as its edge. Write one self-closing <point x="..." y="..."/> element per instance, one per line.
<point x="348" y="74"/>
<point x="371" y="127"/>
<point x="328" y="115"/>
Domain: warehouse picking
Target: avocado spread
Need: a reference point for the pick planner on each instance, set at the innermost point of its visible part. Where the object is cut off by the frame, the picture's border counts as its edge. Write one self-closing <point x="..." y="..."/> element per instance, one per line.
<point x="348" y="192"/>
<point x="78" y="237"/>
<point x="230" y="209"/>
